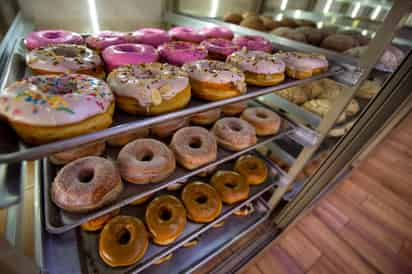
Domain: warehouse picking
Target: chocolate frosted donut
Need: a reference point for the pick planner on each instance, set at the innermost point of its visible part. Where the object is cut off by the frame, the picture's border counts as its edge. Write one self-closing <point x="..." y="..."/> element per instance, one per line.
<point x="266" y="122"/>
<point x="146" y="161"/>
<point x="234" y="134"/>
<point x="339" y="42"/>
<point x="313" y="36"/>
<point x="194" y="147"/>
<point x="206" y="117"/>
<point x="86" y="184"/>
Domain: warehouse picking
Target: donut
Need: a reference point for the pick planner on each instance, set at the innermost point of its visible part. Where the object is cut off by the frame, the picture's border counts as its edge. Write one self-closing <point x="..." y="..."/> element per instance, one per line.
<point x="216" y="32"/>
<point x="253" y="22"/>
<point x="99" y="222"/>
<point x="339" y="42"/>
<point x="86" y="184"/>
<point x="329" y="30"/>
<point x="265" y="121"/>
<point x="67" y="156"/>
<point x="234" y="109"/>
<point x="165" y="219"/>
<point x="150" y="36"/>
<point x="206" y="117"/>
<point x="194" y="147"/>
<point x="45" y="38"/>
<point x="142" y="200"/>
<point x="128" y="54"/>
<point x="123" y="241"/>
<point x="288" y="22"/>
<point x="186" y="34"/>
<point x="247" y="14"/>
<point x="202" y="202"/>
<point x="234" y="134"/>
<point x="43" y="109"/>
<point x="231" y="186"/>
<point x="178" y="52"/>
<point x="253" y="42"/>
<point x="124" y="138"/>
<point x="214" y="80"/>
<point x="245" y="210"/>
<point x="219" y="48"/>
<point x="357" y="35"/>
<point x="301" y="65"/>
<point x="260" y="68"/>
<point x="174" y="187"/>
<point x="62" y="59"/>
<point x="233" y="18"/>
<point x="289" y="33"/>
<point x="269" y="23"/>
<point x="252" y="168"/>
<point x="150" y="89"/>
<point x="191" y="243"/>
<point x="167" y="129"/>
<point x="104" y="39"/>
<point x="206" y="173"/>
<point x="313" y="35"/>
<point x="296" y="94"/>
<point x="145" y="161"/>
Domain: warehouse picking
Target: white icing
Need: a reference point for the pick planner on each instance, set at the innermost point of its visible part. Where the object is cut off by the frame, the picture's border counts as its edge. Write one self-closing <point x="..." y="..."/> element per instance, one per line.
<point x="303" y="61"/>
<point x="256" y="62"/>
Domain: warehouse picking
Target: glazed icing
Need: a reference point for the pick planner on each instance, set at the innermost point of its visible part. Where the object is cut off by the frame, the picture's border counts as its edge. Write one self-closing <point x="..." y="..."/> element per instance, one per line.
<point x="217" y="32"/>
<point x="150" y="36"/>
<point x="220" y="46"/>
<point x="103" y="39"/>
<point x="303" y="61"/>
<point x="253" y="42"/>
<point x="186" y="34"/>
<point x="178" y="52"/>
<point x="63" y="58"/>
<point x="149" y="84"/>
<point x="46" y="38"/>
<point x="53" y="100"/>
<point x="256" y="62"/>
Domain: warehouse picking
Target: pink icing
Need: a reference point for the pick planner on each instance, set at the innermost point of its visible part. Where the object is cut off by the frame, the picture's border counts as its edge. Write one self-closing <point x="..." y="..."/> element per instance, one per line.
<point x="220" y="46"/>
<point x="303" y="61"/>
<point x="103" y="39"/>
<point x="257" y="62"/>
<point x="217" y="32"/>
<point x="150" y="36"/>
<point x="53" y="100"/>
<point x="123" y="54"/>
<point x="45" y="38"/>
<point x="186" y="34"/>
<point x="178" y="53"/>
<point x="253" y="42"/>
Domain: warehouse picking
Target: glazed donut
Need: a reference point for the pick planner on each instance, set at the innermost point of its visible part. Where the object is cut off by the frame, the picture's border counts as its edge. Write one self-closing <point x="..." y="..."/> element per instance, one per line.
<point x="231" y="186"/>
<point x="62" y="59"/>
<point x="339" y="42"/>
<point x="260" y="68"/>
<point x="124" y="138"/>
<point x="165" y="219"/>
<point x="123" y="241"/>
<point x="167" y="129"/>
<point x="252" y="168"/>
<point x="104" y="39"/>
<point x="150" y="89"/>
<point x="289" y="33"/>
<point x="66" y="156"/>
<point x="245" y="210"/>
<point x="174" y="187"/>
<point x="128" y="54"/>
<point x="219" y="48"/>
<point x="142" y="200"/>
<point x="186" y="34"/>
<point x="234" y="109"/>
<point x="194" y="147"/>
<point x="202" y="202"/>
<point x="163" y="259"/>
<point x="253" y="42"/>
<point x="301" y="65"/>
<point x="178" y="53"/>
<point x="209" y="171"/>
<point x="191" y="243"/>
<point x="253" y="22"/>
<point x="206" y="117"/>
<point x="44" y="109"/>
<point x="145" y="161"/>
<point x="234" y="134"/>
<point x="45" y="38"/>
<point x="216" y="32"/>
<point x="265" y="121"/>
<point x="313" y="35"/>
<point x="99" y="222"/>
<point x="233" y="18"/>
<point x="150" y="36"/>
<point x="215" y="80"/>
<point x="86" y="184"/>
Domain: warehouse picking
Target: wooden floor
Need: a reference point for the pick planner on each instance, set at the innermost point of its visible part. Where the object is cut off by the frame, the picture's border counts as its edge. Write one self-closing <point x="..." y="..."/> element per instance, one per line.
<point x="364" y="225"/>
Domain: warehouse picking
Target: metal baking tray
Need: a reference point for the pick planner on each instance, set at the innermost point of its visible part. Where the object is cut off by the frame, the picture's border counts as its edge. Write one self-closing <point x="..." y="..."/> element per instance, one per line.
<point x="12" y="178"/>
<point x="17" y="151"/>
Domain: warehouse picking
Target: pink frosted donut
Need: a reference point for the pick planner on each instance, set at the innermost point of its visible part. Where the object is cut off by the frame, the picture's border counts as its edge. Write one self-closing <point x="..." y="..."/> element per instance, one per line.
<point x="217" y="32"/>
<point x="186" y="34"/>
<point x="179" y="53"/>
<point x="46" y="38"/>
<point x="219" y="48"/>
<point x="150" y="36"/>
<point x="253" y="42"/>
<point x="125" y="54"/>
<point x="104" y="39"/>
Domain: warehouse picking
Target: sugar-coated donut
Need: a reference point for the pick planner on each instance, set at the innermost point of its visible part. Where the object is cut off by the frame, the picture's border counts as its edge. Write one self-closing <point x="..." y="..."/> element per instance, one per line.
<point x="216" y="32"/>
<point x="231" y="186"/>
<point x="234" y="134"/>
<point x="186" y="34"/>
<point x="99" y="222"/>
<point x="179" y="52"/>
<point x="234" y="109"/>
<point x="301" y="65"/>
<point x="123" y="241"/>
<point x="167" y="129"/>
<point x="219" y="48"/>
<point x="206" y="117"/>
<point x="64" y="157"/>
<point x="104" y="39"/>
<point x="145" y="161"/>
<point x="142" y="200"/>
<point x="44" y="109"/>
<point x="339" y="42"/>
<point x="45" y="38"/>
<point x="214" y="80"/>
<point x="253" y="42"/>
<point x="265" y="121"/>
<point x="150" y="89"/>
<point x="150" y="36"/>
<point x="86" y="184"/>
<point x="252" y="168"/>
<point x="124" y="138"/>
<point x="194" y="147"/>
<point x="166" y="219"/>
<point x="202" y="201"/>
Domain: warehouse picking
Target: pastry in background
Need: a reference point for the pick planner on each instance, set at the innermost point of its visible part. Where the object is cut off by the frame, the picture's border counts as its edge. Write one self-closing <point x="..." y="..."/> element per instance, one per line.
<point x="288" y="22"/>
<point x="313" y="89"/>
<point x="368" y="89"/>
<point x="67" y="156"/>
<point x="352" y="108"/>
<point x="294" y="94"/>
<point x="362" y="40"/>
<point x="321" y="107"/>
<point x="305" y="23"/>
<point x="249" y="14"/>
<point x="313" y="36"/>
<point x="269" y="23"/>
<point x="339" y="42"/>
<point x="233" y="18"/>
<point x="234" y="109"/>
<point x="124" y="138"/>
<point x="166" y="129"/>
<point x="289" y="33"/>
<point x="253" y="22"/>
<point x="329" y="30"/>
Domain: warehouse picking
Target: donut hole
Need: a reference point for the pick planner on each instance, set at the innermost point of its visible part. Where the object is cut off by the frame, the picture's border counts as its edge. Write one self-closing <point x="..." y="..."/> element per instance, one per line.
<point x="195" y="142"/>
<point x="66" y="52"/>
<point x="124" y="237"/>
<point x="261" y="115"/>
<point x="165" y="214"/>
<point x="146" y="156"/>
<point x="230" y="185"/>
<point x="202" y="199"/>
<point x="126" y="48"/>
<point x="235" y="127"/>
<point x="86" y="175"/>
<point x="52" y="35"/>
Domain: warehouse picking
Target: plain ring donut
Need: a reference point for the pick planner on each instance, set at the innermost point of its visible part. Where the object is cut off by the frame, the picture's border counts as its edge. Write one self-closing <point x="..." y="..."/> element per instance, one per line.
<point x="234" y="134"/>
<point x="266" y="122"/>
